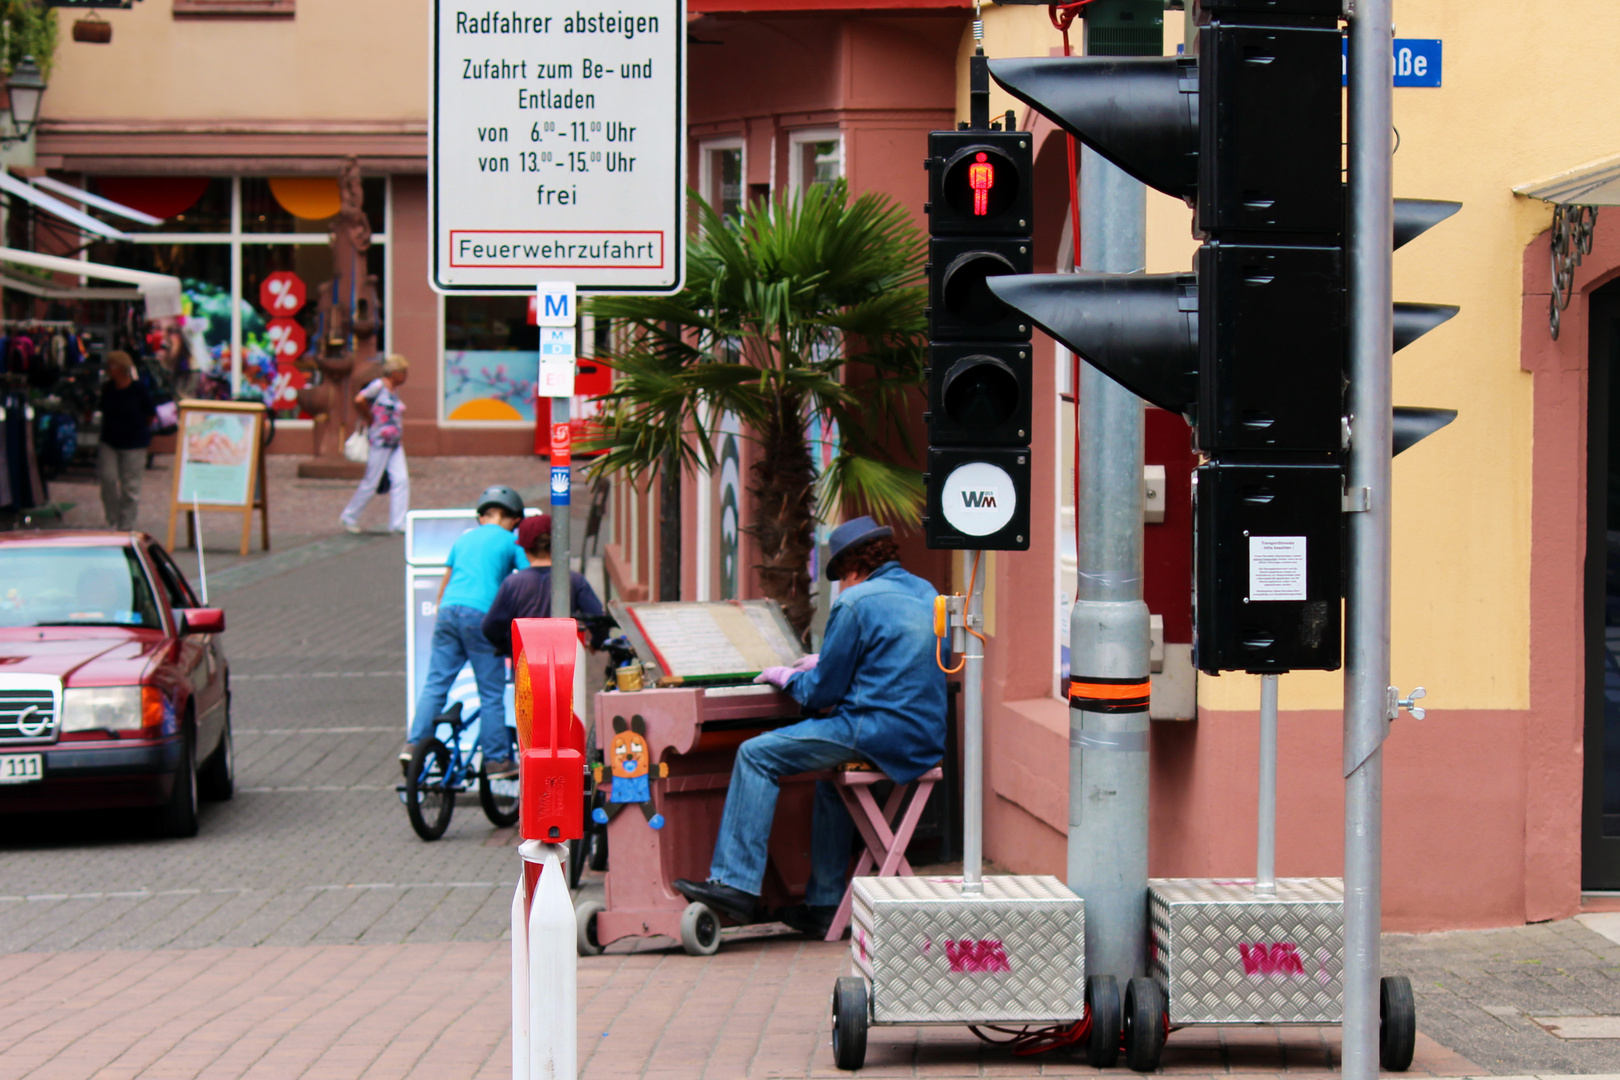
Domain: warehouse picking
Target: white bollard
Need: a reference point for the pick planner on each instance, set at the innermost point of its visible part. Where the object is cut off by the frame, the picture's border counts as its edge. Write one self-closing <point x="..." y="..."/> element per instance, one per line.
<point x="545" y="997"/>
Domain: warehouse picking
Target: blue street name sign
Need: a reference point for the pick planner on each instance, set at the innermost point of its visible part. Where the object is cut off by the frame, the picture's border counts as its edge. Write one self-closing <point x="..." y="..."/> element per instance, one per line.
<point x="1418" y="61"/>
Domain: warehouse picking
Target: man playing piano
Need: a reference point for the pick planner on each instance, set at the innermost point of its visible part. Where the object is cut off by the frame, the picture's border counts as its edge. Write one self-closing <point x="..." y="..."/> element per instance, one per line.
<point x="883" y="694"/>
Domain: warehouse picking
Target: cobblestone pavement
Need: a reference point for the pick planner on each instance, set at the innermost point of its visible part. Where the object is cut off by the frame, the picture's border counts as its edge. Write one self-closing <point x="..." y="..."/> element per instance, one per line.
<point x="1477" y="990"/>
<point x="306" y="932"/>
<point x="301" y="510"/>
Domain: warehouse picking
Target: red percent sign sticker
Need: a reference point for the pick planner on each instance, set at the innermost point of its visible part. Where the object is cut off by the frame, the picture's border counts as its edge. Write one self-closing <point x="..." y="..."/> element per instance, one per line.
<point x="282" y="293"/>
<point x="287" y="339"/>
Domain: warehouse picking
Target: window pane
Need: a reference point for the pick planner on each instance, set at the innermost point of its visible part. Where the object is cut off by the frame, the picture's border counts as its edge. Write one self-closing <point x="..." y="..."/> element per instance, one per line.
<point x="726" y="181"/>
<point x="491" y="359"/>
<point x="276" y="374"/>
<point x="186" y="203"/>
<point x="822" y="162"/>
<point x="264" y="211"/>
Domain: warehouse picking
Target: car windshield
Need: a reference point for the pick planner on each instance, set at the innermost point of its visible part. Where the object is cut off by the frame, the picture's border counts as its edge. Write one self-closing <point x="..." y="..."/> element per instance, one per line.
<point x="74" y="586"/>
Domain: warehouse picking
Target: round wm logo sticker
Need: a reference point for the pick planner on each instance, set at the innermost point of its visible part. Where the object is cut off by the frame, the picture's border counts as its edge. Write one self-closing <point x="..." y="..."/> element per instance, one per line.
<point x="979" y="499"/>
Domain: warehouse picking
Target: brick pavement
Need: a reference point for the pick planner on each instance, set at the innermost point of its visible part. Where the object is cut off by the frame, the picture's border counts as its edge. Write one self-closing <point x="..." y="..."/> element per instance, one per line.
<point x="756" y="1009"/>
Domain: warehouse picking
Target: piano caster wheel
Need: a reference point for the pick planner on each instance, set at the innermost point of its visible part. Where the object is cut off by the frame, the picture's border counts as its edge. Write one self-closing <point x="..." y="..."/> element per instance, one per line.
<point x="700" y="930"/>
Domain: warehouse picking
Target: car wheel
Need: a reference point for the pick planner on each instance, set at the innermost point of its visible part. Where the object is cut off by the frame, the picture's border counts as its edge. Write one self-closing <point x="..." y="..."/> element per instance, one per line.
<point x="178" y="817"/>
<point x="216" y="780"/>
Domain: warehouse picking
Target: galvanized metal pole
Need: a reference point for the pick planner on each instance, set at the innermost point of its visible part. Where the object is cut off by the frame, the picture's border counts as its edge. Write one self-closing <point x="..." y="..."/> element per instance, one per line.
<point x="561" y="591"/>
<point x="973" y="731"/>
<point x="1265" y="873"/>
<point x="1108" y="630"/>
<point x="1367" y="616"/>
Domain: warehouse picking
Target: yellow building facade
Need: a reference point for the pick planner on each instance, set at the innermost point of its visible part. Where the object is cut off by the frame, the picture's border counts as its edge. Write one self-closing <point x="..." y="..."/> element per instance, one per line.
<point x="1500" y="537"/>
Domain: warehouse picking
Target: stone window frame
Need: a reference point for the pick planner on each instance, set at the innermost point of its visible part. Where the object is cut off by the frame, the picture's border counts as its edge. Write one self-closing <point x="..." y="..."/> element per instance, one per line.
<point x="237" y="9"/>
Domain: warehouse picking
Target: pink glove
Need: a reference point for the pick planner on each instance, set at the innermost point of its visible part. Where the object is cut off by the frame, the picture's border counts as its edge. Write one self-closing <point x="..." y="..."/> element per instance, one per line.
<point x="776" y="676"/>
<point x="807" y="662"/>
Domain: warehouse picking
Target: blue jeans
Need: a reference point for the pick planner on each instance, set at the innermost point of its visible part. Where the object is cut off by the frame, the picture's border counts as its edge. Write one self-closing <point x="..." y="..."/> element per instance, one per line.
<point x="458" y="639"/>
<point x="745" y="828"/>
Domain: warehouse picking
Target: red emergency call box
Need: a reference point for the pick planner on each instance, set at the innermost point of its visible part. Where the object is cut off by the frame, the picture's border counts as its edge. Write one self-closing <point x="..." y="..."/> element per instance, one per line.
<point x="551" y="741"/>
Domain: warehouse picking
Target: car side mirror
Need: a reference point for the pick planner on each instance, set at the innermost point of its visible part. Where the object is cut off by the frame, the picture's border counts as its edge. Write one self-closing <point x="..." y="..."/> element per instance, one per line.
<point x="202" y="620"/>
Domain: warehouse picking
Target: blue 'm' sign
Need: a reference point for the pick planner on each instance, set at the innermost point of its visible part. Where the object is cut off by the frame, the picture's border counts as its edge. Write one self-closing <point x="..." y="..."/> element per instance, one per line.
<point x="1418" y="61"/>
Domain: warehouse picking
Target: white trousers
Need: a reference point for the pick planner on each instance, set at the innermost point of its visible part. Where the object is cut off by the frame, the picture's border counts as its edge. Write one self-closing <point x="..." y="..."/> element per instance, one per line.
<point x="392" y="461"/>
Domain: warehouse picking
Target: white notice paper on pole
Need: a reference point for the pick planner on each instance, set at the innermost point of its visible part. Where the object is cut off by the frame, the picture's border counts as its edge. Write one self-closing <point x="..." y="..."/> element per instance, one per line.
<point x="556" y="146"/>
<point x="1277" y="568"/>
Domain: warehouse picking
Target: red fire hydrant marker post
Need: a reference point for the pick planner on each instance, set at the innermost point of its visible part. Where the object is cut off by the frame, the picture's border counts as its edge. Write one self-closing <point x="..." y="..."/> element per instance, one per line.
<point x="551" y="762"/>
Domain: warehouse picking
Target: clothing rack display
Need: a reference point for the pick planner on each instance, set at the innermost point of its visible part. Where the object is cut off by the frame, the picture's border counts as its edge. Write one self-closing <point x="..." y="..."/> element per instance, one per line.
<point x="21" y="487"/>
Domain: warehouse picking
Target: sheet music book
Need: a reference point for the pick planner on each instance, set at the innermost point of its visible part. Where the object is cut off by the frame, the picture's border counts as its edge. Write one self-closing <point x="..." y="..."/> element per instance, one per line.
<point x="714" y="641"/>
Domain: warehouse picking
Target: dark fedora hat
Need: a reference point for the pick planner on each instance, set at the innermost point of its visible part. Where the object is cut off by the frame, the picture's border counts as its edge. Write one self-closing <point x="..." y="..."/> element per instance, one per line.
<point x="850" y="535"/>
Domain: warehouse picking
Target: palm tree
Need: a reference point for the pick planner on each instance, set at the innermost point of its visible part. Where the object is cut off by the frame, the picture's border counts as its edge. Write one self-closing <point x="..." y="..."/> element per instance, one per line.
<point x="780" y="305"/>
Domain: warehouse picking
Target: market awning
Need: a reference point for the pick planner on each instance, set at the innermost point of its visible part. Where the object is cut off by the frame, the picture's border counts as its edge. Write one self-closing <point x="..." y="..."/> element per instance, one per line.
<point x="85" y="197"/>
<point x="22" y="190"/>
<point x="161" y="291"/>
<point x="1594" y="184"/>
<point x="46" y="290"/>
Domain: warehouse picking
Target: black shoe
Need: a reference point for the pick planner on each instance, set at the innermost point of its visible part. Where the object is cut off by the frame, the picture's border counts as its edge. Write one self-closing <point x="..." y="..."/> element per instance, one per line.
<point x="720" y="896"/>
<point x="811" y="920"/>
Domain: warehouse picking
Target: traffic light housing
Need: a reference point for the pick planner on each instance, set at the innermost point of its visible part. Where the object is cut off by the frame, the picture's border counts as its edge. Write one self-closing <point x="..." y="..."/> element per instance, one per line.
<point x="1251" y="347"/>
<point x="980" y="384"/>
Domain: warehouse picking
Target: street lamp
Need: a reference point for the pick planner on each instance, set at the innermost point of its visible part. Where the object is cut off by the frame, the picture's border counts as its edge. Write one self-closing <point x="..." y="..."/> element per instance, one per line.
<point x="26" y="89"/>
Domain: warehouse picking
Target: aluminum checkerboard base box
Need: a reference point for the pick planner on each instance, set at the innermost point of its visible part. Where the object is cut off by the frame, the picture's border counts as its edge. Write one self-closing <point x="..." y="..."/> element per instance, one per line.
<point x="1227" y="955"/>
<point x="1014" y="954"/>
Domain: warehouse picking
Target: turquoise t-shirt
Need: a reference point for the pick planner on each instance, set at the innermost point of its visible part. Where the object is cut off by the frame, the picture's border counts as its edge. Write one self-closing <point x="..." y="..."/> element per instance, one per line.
<point x="479" y="561"/>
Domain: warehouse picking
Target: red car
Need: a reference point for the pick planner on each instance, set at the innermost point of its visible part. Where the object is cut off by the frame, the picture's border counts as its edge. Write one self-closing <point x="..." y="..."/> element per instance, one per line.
<point x="114" y="691"/>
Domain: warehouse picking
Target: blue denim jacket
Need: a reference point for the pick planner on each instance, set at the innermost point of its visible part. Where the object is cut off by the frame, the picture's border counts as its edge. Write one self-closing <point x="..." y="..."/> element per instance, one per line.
<point x="878" y="673"/>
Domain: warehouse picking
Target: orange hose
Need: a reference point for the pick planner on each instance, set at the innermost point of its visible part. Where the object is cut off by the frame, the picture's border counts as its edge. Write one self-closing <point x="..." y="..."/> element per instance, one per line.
<point x="939" y="660"/>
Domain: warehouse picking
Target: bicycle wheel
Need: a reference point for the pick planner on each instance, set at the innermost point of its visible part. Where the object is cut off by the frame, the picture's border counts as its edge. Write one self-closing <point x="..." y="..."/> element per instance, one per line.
<point x="429" y="798"/>
<point x="499" y="798"/>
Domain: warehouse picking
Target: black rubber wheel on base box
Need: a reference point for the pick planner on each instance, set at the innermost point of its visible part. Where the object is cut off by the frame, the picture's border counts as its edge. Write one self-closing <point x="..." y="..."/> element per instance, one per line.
<point x="586" y="941"/>
<point x="1397" y="1023"/>
<point x="429" y="800"/>
<point x="1102" y="1008"/>
<point x="1144" y="1024"/>
<point x="849" y="1022"/>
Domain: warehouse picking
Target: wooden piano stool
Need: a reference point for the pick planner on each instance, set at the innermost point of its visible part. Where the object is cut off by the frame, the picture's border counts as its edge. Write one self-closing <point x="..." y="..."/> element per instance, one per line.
<point x="884" y="837"/>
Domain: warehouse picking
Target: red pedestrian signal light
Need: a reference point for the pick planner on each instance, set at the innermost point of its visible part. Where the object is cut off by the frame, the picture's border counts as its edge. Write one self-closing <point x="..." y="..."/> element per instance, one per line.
<point x="981" y="178"/>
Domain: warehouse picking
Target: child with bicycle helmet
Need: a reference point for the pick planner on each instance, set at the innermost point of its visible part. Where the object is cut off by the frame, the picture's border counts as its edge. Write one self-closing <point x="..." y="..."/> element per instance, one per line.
<point x="479" y="561"/>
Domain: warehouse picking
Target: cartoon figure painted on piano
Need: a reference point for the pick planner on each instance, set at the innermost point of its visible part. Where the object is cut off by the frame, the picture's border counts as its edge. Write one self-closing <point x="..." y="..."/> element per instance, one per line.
<point x="630" y="768"/>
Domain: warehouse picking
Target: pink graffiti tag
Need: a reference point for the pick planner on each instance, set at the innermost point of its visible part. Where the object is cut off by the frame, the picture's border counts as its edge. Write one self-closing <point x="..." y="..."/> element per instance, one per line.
<point x="986" y="957"/>
<point x="1279" y="959"/>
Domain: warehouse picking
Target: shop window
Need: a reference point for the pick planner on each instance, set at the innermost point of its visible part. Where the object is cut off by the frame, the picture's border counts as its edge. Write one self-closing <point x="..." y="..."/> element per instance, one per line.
<point x="223" y="271"/>
<point x="815" y="157"/>
<point x="721" y="180"/>
<point x="491" y="360"/>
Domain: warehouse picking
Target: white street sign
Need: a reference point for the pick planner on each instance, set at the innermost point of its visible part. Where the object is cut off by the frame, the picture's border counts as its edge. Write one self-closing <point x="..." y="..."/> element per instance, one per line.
<point x="554" y="304"/>
<point x="558" y="358"/>
<point x="557" y="146"/>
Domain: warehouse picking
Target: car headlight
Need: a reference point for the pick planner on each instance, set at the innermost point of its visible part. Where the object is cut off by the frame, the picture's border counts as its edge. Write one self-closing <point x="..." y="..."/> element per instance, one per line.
<point x="111" y="708"/>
